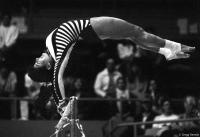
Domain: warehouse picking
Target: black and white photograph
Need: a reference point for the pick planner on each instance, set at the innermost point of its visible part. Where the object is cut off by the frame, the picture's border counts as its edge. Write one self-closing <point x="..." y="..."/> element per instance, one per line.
<point x="100" y="68"/>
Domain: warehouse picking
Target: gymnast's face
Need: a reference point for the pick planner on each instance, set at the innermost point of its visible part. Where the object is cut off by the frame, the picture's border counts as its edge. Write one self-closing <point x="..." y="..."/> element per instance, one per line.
<point x="44" y="61"/>
<point x="42" y="70"/>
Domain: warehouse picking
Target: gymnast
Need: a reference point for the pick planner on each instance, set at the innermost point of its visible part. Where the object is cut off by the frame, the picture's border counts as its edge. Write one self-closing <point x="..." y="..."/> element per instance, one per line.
<point x="50" y="66"/>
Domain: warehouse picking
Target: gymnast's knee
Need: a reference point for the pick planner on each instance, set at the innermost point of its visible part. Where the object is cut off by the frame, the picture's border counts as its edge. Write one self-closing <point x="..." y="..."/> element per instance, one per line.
<point x="140" y="33"/>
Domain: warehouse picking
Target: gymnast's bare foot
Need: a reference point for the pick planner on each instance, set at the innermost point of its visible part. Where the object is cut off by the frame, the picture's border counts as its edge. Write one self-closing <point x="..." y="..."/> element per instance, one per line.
<point x="187" y="49"/>
<point x="184" y="53"/>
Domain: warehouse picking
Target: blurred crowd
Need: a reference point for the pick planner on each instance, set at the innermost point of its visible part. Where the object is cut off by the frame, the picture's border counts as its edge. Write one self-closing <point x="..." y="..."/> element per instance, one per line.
<point x="130" y="78"/>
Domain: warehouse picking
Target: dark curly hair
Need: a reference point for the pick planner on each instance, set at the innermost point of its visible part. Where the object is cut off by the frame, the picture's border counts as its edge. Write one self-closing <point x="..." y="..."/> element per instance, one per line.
<point x="41" y="74"/>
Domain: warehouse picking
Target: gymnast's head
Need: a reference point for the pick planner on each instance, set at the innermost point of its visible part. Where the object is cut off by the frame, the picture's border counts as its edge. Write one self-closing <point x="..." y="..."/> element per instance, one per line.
<point x="42" y="70"/>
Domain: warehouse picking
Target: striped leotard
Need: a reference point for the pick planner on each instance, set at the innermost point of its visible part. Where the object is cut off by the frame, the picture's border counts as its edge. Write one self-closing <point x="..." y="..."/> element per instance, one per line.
<point x="60" y="43"/>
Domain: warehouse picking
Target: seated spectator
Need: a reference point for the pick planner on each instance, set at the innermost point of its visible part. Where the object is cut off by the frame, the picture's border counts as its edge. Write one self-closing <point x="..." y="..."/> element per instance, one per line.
<point x="11" y="88"/>
<point x="183" y="128"/>
<point x="44" y="103"/>
<point x="50" y="111"/>
<point x="32" y="90"/>
<point x="138" y="84"/>
<point x="137" y="81"/>
<point x="8" y="82"/>
<point x="157" y="106"/>
<point x="122" y="92"/>
<point x="3" y="78"/>
<point x="167" y="114"/>
<point x="155" y="96"/>
<point x="69" y="85"/>
<point x="77" y="87"/>
<point x="191" y="111"/>
<point x="80" y="90"/>
<point x="147" y="114"/>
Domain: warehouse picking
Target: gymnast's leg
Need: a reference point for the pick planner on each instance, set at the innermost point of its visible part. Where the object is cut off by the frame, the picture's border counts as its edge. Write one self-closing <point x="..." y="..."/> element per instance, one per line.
<point x="114" y="28"/>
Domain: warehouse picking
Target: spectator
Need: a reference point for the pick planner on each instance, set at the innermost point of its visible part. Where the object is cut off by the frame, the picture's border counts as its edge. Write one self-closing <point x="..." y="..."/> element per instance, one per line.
<point x="45" y="104"/>
<point x="10" y="87"/>
<point x="105" y="82"/>
<point x="138" y="84"/>
<point x="122" y="92"/>
<point x="3" y="78"/>
<point x="76" y="87"/>
<point x="191" y="111"/>
<point x="8" y="35"/>
<point x="153" y="90"/>
<point x="32" y="90"/>
<point x="137" y="81"/>
<point x="50" y="111"/>
<point x="123" y="110"/>
<point x="125" y="50"/>
<point x="157" y="106"/>
<point x="167" y="114"/>
<point x="147" y="114"/>
<point x="69" y="85"/>
<point x="8" y="82"/>
<point x="80" y="91"/>
<point x="154" y="96"/>
<point x="198" y="106"/>
<point x="104" y="87"/>
<point x="79" y="88"/>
